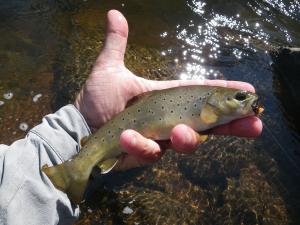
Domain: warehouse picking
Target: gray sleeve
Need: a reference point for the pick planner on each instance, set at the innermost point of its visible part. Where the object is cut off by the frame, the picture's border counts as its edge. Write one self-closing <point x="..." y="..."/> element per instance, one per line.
<point x="27" y="196"/>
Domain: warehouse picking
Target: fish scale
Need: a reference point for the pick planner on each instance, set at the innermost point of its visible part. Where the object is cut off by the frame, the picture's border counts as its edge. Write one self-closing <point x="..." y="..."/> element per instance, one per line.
<point x="153" y="114"/>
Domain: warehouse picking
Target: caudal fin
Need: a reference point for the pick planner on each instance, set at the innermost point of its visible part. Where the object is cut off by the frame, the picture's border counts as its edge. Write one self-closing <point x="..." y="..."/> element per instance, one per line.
<point x="68" y="178"/>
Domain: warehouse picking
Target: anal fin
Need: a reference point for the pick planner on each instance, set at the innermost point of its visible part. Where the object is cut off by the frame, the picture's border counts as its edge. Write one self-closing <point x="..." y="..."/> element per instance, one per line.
<point x="107" y="165"/>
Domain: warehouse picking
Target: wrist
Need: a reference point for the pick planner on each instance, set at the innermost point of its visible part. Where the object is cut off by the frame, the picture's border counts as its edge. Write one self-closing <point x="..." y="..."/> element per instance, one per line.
<point x="79" y="105"/>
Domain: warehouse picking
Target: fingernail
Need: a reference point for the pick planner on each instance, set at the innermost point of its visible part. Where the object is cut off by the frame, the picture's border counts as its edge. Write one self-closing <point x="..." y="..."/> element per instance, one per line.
<point x="131" y="137"/>
<point x="188" y="136"/>
<point x="133" y="140"/>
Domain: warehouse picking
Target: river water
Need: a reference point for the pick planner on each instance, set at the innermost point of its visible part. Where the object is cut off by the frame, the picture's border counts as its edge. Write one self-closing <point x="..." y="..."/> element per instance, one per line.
<point x="46" y="52"/>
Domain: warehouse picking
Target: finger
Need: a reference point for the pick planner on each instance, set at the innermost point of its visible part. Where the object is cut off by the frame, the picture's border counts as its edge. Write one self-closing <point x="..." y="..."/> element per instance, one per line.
<point x="246" y="127"/>
<point x="158" y="85"/>
<point x="135" y="144"/>
<point x="115" y="40"/>
<point x="185" y="140"/>
<point x="230" y="84"/>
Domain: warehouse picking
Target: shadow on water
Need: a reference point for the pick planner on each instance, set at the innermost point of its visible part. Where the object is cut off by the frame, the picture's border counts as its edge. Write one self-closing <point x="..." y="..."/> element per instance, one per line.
<point x="48" y="47"/>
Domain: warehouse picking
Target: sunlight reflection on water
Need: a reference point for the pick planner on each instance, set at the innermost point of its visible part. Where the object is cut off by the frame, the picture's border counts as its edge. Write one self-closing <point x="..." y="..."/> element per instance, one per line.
<point x="207" y="37"/>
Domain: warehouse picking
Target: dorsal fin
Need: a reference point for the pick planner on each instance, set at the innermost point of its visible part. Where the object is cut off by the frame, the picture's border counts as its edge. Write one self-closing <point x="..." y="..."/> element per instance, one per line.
<point x="138" y="98"/>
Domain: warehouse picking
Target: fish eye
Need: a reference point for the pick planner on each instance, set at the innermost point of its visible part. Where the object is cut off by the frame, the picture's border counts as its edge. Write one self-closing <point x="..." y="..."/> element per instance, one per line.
<point x="240" y="96"/>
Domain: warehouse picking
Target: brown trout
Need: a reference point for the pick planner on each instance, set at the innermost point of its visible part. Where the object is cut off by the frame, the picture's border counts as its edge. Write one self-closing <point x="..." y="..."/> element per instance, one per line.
<point x="154" y="115"/>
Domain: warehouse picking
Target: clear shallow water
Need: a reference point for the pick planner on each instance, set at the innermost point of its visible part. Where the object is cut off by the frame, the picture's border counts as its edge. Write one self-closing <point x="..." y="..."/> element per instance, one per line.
<point x="48" y="47"/>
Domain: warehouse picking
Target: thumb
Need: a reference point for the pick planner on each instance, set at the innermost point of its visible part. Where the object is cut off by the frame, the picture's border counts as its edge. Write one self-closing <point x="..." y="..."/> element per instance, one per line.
<point x="152" y="85"/>
<point x="115" y="40"/>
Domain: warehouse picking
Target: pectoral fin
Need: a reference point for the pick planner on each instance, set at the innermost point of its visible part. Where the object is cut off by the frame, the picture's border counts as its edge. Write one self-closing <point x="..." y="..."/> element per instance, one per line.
<point x="208" y="115"/>
<point x="107" y="165"/>
<point x="202" y="138"/>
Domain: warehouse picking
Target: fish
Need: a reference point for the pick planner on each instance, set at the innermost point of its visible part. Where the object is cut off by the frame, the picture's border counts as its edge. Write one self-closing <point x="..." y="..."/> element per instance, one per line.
<point x="153" y="114"/>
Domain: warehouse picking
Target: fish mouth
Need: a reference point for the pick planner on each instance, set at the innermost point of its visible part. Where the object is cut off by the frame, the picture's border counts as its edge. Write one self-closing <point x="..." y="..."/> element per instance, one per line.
<point x="257" y="107"/>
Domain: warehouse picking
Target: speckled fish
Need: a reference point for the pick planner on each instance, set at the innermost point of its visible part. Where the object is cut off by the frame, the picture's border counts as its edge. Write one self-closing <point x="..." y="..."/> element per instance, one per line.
<point x="153" y="114"/>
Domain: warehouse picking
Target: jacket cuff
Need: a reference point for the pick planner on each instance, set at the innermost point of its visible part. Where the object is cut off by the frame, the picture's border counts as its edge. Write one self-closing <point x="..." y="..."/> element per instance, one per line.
<point x="62" y="131"/>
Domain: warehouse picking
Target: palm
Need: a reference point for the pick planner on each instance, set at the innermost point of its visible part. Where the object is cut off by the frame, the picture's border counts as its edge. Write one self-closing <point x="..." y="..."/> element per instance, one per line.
<point x="106" y="92"/>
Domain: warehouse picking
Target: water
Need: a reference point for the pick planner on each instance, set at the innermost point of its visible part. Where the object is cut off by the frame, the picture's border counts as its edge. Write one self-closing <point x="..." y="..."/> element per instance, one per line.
<point x="47" y="48"/>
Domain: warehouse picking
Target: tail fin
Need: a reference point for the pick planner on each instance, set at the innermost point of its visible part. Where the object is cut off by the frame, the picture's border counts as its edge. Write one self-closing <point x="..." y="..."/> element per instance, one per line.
<point x="69" y="178"/>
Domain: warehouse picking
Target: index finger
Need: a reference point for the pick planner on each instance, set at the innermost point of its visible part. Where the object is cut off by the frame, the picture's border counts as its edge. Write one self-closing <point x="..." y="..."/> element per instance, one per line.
<point x="247" y="127"/>
<point x="230" y="84"/>
<point x="158" y="85"/>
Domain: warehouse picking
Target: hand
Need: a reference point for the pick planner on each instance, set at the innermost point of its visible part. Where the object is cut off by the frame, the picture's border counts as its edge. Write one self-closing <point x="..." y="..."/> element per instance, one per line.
<point x="110" y="85"/>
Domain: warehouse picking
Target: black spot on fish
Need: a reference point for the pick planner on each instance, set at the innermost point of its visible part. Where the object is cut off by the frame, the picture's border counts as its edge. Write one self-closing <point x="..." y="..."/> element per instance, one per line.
<point x="155" y="102"/>
<point x="112" y="136"/>
<point x="185" y="108"/>
<point x="139" y="110"/>
<point x="123" y="119"/>
<point x="180" y="96"/>
<point x="171" y="100"/>
<point x="195" y="105"/>
<point x="178" y="104"/>
<point x="109" y="131"/>
<point x="193" y="114"/>
<point x="160" y="118"/>
<point x="162" y="107"/>
<point x="192" y="96"/>
<point x="180" y="117"/>
<point x="134" y="121"/>
<point x="102" y="139"/>
<point x="172" y="111"/>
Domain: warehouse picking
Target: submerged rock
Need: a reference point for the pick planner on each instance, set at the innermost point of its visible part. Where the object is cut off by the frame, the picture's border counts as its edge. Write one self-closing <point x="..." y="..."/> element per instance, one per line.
<point x="127" y="210"/>
<point x="23" y="126"/>
<point x="8" y="95"/>
<point x="36" y="97"/>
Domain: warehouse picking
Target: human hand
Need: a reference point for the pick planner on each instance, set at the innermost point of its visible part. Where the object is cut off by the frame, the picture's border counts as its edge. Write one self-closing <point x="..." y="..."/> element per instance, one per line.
<point x="110" y="86"/>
